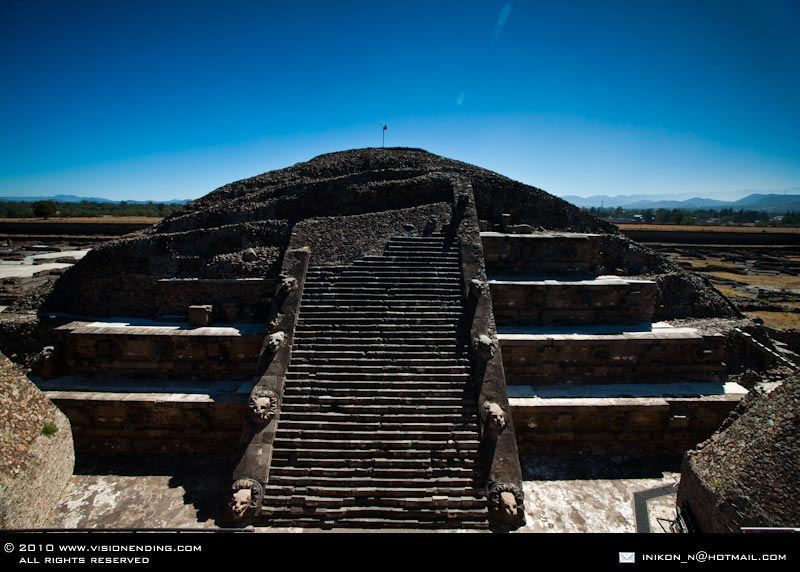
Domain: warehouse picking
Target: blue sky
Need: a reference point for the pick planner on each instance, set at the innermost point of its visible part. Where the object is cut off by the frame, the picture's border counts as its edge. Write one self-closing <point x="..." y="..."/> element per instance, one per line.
<point x="169" y="99"/>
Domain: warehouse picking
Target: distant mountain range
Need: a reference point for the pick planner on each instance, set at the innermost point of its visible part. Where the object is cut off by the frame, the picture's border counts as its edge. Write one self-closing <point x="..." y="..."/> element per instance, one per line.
<point x="770" y="202"/>
<point x="76" y="199"/>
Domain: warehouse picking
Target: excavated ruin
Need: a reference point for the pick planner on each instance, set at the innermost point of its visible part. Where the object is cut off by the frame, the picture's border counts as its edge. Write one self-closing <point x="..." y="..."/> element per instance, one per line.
<point x="241" y="230"/>
<point x="378" y="334"/>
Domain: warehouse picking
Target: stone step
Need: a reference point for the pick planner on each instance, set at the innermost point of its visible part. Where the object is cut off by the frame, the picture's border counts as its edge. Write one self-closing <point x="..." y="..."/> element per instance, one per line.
<point x="388" y="323"/>
<point x="438" y="348"/>
<point x="391" y="331"/>
<point x="445" y="350"/>
<point x="373" y="517"/>
<point x="395" y="260"/>
<point x="405" y="269"/>
<point x="367" y="356"/>
<point x="434" y="239"/>
<point x="387" y="445"/>
<point x="451" y="312"/>
<point x="368" y="482"/>
<point x="371" y="492"/>
<point x="373" y="336"/>
<point x="423" y="463"/>
<point x="397" y="276"/>
<point x="386" y="295"/>
<point x="372" y="387"/>
<point x="398" y="407"/>
<point x="419" y="247"/>
<point x="328" y="390"/>
<point x="371" y="472"/>
<point x="377" y="524"/>
<point x="428" y="420"/>
<point x="611" y="355"/>
<point x="380" y="437"/>
<point x="425" y="271"/>
<point x="603" y="300"/>
<point x="321" y="370"/>
<point x="400" y="374"/>
<point x="377" y="502"/>
<point x="358" y="359"/>
<point x="362" y="299"/>
<point x="368" y="331"/>
<point x="312" y="374"/>
<point x="387" y="289"/>
<point x="389" y="314"/>
<point x="388" y="398"/>
<point x="376" y="422"/>
<point x="369" y="454"/>
<point x="392" y="304"/>
<point x="371" y="280"/>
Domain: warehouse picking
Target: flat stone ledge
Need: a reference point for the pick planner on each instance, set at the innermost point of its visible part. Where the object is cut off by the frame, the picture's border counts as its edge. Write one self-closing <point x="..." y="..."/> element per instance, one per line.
<point x="591" y="329"/>
<point x="540" y="235"/>
<point x="598" y="281"/>
<point x="620" y="394"/>
<point x="141" y="327"/>
<point x="674" y="334"/>
<point x="105" y="389"/>
<point x="216" y="280"/>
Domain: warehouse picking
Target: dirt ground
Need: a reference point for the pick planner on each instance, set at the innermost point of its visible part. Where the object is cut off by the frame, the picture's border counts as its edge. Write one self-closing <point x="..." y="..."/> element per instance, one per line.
<point x="763" y="281"/>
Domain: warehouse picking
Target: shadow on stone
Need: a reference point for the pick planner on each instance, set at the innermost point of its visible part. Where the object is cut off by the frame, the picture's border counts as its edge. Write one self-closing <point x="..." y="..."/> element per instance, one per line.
<point x="204" y="479"/>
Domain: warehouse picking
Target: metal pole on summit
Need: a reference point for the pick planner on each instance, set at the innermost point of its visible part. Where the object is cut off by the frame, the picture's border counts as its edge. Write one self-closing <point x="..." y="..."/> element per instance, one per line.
<point x="383" y="136"/>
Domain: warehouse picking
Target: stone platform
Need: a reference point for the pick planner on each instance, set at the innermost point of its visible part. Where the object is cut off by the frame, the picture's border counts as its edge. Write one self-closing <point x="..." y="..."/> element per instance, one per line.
<point x="534" y="299"/>
<point x="610" y="354"/>
<point x="545" y="252"/>
<point x="140" y="415"/>
<point x="619" y="419"/>
<point x="123" y="346"/>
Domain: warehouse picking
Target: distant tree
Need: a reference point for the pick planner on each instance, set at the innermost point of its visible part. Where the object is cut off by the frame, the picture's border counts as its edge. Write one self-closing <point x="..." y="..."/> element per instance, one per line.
<point x="44" y="209"/>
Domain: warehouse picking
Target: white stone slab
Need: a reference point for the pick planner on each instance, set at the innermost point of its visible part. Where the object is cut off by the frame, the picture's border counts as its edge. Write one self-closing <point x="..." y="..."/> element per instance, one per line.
<point x="530" y="395"/>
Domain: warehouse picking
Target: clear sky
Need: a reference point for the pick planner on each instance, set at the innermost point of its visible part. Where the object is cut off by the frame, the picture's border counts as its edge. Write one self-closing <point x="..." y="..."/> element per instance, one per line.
<point x="168" y="99"/>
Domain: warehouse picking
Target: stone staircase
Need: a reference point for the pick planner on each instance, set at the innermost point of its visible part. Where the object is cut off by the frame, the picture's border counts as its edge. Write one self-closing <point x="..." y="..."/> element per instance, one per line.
<point x="588" y="370"/>
<point x="378" y="425"/>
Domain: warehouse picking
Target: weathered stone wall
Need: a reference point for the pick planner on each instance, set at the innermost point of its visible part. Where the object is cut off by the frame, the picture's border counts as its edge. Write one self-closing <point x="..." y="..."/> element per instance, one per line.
<point x="541" y="253"/>
<point x="83" y="350"/>
<point x="36" y="451"/>
<point x="748" y="474"/>
<point x="613" y="359"/>
<point x="618" y="426"/>
<point x="136" y="422"/>
<point x="592" y="302"/>
<point x="233" y="300"/>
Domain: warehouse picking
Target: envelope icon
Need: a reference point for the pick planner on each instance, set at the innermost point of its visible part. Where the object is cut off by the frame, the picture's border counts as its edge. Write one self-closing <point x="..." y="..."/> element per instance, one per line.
<point x="627" y="558"/>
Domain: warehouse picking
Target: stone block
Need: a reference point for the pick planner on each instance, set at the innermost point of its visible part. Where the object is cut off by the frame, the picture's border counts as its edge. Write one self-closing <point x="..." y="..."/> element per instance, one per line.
<point x="200" y="315"/>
